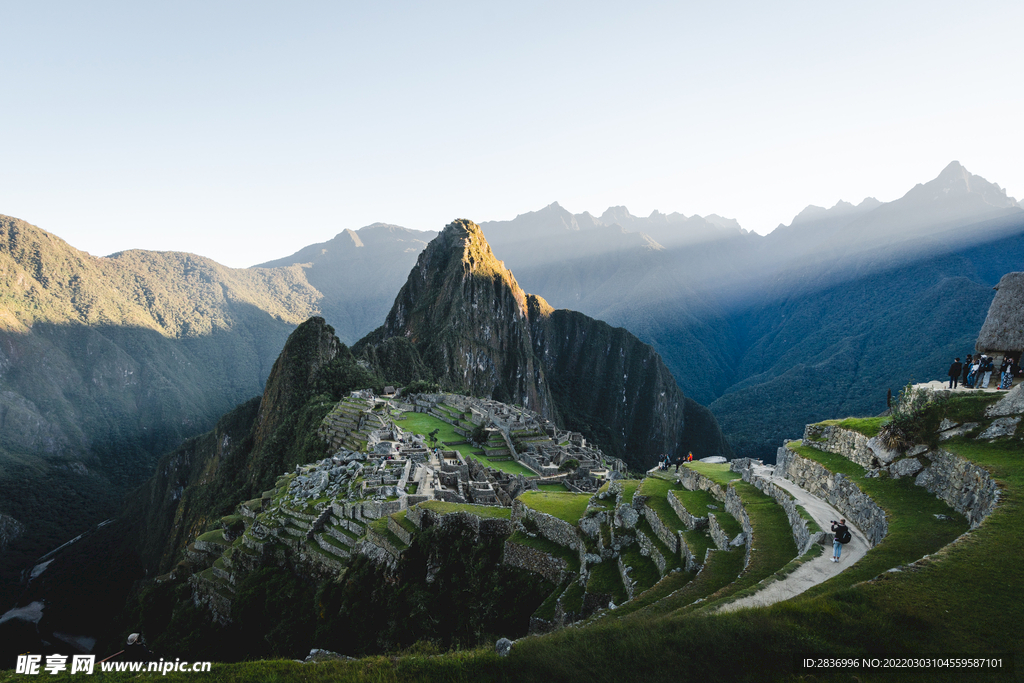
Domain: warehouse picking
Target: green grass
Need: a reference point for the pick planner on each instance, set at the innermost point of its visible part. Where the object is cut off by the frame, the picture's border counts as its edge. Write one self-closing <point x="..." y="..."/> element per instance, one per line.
<point x="671" y="559"/>
<point x="403" y="521"/>
<point x="568" y="507"/>
<point x="913" y="529"/>
<point x="698" y="541"/>
<point x="773" y="546"/>
<point x="645" y="572"/>
<point x="605" y="580"/>
<point x="215" y="536"/>
<point x="672" y="582"/>
<point x="572" y="599"/>
<point x="719" y="473"/>
<point x="722" y="569"/>
<point x="383" y="530"/>
<point x="697" y="502"/>
<point x="423" y="424"/>
<point x="488" y="511"/>
<point x="552" y="487"/>
<point x="546" y="610"/>
<point x="330" y="540"/>
<point x="812" y="526"/>
<point x="571" y="557"/>
<point x="629" y="487"/>
<point x="657" y="492"/>
<point x="868" y="426"/>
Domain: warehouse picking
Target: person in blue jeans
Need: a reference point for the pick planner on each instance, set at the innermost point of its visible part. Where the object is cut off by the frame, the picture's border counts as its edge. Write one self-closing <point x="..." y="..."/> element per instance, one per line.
<point x="842" y="536"/>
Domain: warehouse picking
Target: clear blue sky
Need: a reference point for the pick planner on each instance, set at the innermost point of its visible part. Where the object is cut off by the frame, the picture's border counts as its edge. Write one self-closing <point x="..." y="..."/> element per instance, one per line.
<point x="246" y="130"/>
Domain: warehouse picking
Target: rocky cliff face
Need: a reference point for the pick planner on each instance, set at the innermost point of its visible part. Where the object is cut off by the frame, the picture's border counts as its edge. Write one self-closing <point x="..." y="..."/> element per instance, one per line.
<point x="473" y="325"/>
<point x="250" y="446"/>
<point x="466" y="315"/>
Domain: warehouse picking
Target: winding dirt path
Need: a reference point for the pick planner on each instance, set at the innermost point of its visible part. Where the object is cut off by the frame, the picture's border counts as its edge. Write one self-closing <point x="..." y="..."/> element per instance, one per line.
<point x="810" y="573"/>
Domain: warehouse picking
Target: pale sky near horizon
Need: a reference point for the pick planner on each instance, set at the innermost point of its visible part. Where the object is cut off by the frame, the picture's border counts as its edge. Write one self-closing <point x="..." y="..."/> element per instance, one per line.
<point x="245" y="131"/>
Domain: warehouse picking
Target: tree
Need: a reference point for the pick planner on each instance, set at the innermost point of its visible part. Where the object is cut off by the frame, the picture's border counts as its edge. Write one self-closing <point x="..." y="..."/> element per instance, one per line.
<point x="569" y="465"/>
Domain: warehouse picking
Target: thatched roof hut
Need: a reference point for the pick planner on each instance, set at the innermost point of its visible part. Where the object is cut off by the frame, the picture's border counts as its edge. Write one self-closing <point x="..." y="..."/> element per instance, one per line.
<point x="1003" y="331"/>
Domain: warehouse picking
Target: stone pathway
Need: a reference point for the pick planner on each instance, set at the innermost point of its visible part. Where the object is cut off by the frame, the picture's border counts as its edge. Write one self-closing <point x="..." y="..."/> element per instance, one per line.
<point x="810" y="573"/>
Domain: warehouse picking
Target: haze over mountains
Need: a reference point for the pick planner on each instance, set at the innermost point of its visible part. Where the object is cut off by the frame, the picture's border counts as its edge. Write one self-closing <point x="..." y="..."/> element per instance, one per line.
<point x="106" y="363"/>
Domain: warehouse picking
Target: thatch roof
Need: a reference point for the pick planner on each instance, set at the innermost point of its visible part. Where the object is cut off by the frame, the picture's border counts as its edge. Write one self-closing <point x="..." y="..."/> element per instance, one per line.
<point x="1004" y="327"/>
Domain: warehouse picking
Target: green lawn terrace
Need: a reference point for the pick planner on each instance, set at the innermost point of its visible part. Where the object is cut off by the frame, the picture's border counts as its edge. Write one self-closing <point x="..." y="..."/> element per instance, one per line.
<point x="608" y="549"/>
<point x="505" y="438"/>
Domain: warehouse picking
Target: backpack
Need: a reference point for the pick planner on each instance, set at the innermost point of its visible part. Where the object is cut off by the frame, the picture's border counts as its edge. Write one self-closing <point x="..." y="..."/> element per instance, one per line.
<point x="844" y="536"/>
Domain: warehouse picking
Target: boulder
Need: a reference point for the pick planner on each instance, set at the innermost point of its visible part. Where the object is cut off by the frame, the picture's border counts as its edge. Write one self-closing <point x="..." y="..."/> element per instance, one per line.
<point x="1003" y="426"/>
<point x="957" y="431"/>
<point x="503" y="647"/>
<point x="1011" y="404"/>
<point x="905" y="468"/>
<point x="627" y="516"/>
<point x="947" y="424"/>
<point x="883" y="454"/>
<point x="924" y="478"/>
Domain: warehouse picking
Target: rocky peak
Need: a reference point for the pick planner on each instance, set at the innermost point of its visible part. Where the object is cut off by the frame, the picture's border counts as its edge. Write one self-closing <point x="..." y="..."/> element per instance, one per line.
<point x="955" y="182"/>
<point x="466" y="315"/>
<point x="308" y="350"/>
<point x="477" y="330"/>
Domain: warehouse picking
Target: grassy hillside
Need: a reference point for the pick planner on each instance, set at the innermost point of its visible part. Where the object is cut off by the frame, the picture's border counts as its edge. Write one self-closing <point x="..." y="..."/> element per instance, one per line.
<point x="925" y="590"/>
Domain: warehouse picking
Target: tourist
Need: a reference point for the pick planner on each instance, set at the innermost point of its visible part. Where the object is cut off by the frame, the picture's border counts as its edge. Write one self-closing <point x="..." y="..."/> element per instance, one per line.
<point x="987" y="366"/>
<point x="966" y="370"/>
<point x="954" y="373"/>
<point x="842" y="536"/>
<point x="689" y="458"/>
<point x="1006" y="373"/>
<point x="972" y="376"/>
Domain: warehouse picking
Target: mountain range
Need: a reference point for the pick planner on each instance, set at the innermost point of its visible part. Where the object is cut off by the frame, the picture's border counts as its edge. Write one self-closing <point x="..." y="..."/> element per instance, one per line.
<point x="107" y="363"/>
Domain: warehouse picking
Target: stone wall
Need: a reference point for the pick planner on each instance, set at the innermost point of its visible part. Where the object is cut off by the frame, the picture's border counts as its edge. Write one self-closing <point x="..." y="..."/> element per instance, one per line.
<point x="964" y="486"/>
<point x="478" y="526"/>
<point x="801" y="533"/>
<point x="691" y="562"/>
<point x="734" y="506"/>
<point x="688" y="519"/>
<point x="552" y="568"/>
<point x="854" y="446"/>
<point x="664" y="534"/>
<point x="550" y="527"/>
<point x="835" y="489"/>
<point x="627" y="582"/>
<point x="695" y="481"/>
<point x="400" y="531"/>
<point x="649" y="549"/>
<point x="718" y="535"/>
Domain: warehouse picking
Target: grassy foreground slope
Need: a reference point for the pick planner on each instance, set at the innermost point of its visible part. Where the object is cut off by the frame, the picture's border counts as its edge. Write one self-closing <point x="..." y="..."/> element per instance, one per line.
<point x="961" y="599"/>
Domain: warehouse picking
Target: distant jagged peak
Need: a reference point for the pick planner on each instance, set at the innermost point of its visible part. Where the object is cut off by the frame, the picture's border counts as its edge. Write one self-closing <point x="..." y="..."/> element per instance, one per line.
<point x="956" y="181"/>
<point x="352" y="235"/>
<point x="619" y="215"/>
<point x="840" y="208"/>
<point x="553" y="213"/>
<point x="722" y="222"/>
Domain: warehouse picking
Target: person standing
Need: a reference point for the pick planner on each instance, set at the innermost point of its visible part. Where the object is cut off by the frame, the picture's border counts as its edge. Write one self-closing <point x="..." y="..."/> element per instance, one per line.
<point x="954" y="373"/>
<point x="966" y="370"/>
<point x="972" y="376"/>
<point x="987" y="366"/>
<point x="1006" y="373"/>
<point x="841" y="537"/>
